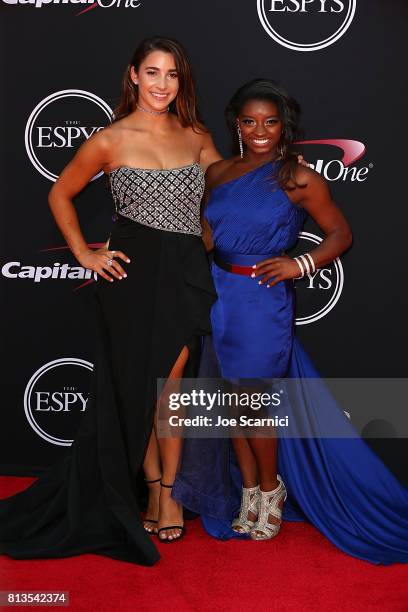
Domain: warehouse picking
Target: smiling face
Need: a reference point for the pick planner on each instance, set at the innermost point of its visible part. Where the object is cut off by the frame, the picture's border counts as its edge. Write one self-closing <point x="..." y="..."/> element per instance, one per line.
<point x="261" y="126"/>
<point x="157" y="80"/>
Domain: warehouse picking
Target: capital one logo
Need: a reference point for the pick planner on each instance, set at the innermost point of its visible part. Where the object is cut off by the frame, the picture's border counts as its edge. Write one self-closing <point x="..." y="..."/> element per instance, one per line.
<point x="91" y="3"/>
<point x="59" y="124"/>
<point x="306" y="25"/>
<point x="319" y="292"/>
<point x="334" y="169"/>
<point x="51" y="270"/>
<point x="55" y="398"/>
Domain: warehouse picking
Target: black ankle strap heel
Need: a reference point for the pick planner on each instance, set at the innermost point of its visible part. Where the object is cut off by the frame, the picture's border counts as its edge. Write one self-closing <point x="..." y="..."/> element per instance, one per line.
<point x="181" y="527"/>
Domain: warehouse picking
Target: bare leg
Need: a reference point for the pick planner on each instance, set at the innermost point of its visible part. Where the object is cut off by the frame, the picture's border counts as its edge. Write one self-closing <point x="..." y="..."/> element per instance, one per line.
<point x="265" y="453"/>
<point x="246" y="462"/>
<point x="257" y="459"/>
<point x="153" y="470"/>
<point x="248" y="468"/>
<point x="170" y="512"/>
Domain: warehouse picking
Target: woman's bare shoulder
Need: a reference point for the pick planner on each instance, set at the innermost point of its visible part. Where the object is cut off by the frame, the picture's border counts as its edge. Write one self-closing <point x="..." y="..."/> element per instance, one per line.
<point x="115" y="135"/>
<point x="307" y="176"/>
<point x="100" y="143"/>
<point x="116" y="130"/>
<point x="216" y="171"/>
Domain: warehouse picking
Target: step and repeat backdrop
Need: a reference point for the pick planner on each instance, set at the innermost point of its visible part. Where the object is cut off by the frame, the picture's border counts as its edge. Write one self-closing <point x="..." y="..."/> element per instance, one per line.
<point x="61" y="67"/>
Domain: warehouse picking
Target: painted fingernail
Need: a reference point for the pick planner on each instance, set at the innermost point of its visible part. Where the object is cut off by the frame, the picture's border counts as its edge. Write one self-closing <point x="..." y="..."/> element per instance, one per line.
<point x="120" y="278"/>
<point x="125" y="275"/>
<point x="111" y="280"/>
<point x="254" y="266"/>
<point x="128" y="260"/>
<point x="253" y="275"/>
<point x="259" y="282"/>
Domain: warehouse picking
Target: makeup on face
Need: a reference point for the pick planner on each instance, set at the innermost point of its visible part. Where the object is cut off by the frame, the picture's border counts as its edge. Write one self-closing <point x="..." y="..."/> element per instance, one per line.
<point x="260" y="125"/>
<point x="157" y="80"/>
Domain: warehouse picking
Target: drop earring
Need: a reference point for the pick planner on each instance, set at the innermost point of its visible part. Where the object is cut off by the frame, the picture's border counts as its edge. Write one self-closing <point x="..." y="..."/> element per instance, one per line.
<point x="241" y="146"/>
<point x="281" y="147"/>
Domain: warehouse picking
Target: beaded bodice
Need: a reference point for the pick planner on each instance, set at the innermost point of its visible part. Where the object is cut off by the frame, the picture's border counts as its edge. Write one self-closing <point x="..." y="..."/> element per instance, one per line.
<point x="163" y="199"/>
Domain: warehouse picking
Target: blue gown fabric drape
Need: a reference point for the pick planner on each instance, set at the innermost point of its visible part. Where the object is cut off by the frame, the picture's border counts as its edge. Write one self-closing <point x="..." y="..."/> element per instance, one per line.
<point x="338" y="483"/>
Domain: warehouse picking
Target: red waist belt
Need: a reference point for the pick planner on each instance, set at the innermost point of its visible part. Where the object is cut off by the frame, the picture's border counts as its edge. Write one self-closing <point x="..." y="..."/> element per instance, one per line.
<point x="233" y="268"/>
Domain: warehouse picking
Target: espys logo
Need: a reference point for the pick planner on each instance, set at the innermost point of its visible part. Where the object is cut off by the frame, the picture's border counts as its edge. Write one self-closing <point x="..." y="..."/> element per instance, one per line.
<point x="343" y="169"/>
<point x="319" y="292"/>
<point x="54" y="271"/>
<point x="92" y="3"/>
<point x="59" y="124"/>
<point x="306" y="25"/>
<point x="55" y="398"/>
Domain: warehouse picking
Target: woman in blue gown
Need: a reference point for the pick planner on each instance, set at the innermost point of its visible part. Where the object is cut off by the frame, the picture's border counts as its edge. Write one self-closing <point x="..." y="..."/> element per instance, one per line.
<point x="256" y="205"/>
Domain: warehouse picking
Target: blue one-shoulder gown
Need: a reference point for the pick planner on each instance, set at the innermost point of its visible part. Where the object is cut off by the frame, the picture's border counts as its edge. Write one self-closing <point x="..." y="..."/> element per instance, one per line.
<point x="336" y="483"/>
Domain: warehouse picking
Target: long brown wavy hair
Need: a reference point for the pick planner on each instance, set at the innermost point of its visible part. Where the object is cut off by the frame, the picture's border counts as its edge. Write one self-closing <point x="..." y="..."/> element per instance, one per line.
<point x="185" y="103"/>
<point x="289" y="113"/>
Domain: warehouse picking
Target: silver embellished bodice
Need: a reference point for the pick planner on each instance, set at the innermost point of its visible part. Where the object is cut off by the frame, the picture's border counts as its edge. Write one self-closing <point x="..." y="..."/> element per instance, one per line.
<point x="163" y="199"/>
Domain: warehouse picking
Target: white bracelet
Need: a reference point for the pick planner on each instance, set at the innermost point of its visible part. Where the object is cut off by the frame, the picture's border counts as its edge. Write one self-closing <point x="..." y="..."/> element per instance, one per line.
<point x="306" y="265"/>
<point x="300" y="264"/>
<point x="312" y="263"/>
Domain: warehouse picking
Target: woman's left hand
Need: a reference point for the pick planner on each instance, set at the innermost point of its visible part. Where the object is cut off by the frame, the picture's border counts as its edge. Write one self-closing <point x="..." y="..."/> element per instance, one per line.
<point x="276" y="269"/>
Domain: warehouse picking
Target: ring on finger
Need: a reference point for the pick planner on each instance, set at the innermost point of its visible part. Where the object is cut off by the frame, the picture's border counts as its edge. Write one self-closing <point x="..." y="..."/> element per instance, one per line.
<point x="109" y="262"/>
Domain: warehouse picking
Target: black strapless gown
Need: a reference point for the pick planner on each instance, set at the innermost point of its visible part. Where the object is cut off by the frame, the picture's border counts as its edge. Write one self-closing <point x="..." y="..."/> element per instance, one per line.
<point x="88" y="501"/>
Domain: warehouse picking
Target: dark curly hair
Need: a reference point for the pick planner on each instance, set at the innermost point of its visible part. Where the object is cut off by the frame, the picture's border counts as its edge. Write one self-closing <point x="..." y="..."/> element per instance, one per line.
<point x="289" y="113"/>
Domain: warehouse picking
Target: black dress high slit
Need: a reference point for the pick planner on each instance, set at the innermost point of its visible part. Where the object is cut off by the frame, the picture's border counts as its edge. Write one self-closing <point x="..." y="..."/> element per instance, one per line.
<point x="87" y="501"/>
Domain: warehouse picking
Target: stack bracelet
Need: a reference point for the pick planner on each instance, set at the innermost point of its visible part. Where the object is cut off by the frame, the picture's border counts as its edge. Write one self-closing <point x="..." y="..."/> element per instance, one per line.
<point x="306" y="264"/>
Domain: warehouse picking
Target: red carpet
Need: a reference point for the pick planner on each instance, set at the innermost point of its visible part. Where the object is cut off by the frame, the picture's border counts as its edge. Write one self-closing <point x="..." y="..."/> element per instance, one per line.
<point x="300" y="570"/>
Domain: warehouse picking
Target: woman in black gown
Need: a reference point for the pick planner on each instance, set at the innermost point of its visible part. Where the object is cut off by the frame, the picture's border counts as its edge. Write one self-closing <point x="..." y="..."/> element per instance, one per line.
<point x="152" y="304"/>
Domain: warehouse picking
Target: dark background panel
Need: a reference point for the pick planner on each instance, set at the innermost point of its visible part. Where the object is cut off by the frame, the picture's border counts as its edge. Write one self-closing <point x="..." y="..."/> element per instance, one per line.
<point x="354" y="89"/>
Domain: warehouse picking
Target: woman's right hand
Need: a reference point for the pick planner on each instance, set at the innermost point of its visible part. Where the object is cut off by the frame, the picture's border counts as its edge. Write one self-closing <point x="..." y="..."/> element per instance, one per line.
<point x="104" y="263"/>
